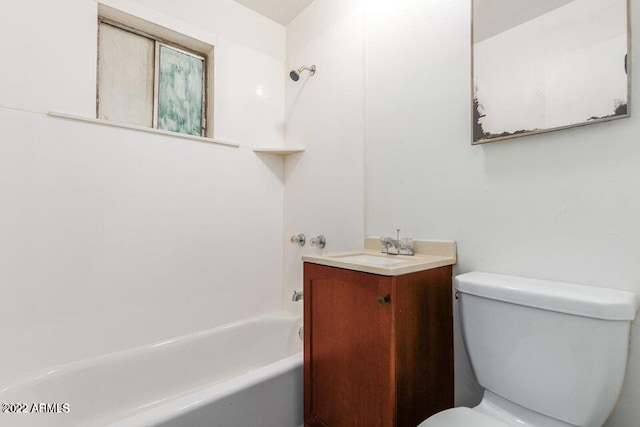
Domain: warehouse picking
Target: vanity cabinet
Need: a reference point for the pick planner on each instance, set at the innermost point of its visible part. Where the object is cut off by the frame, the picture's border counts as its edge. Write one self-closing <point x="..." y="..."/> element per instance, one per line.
<point x="378" y="350"/>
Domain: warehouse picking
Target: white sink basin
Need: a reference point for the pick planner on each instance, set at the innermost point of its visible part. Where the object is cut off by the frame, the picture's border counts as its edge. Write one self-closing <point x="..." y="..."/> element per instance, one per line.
<point x="371" y="259"/>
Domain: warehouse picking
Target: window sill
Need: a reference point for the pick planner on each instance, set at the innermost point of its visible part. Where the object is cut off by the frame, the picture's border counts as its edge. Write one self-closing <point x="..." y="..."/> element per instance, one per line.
<point x="140" y="128"/>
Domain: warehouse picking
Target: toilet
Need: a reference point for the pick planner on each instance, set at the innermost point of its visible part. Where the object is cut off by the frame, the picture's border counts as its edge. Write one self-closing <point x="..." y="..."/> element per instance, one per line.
<point x="548" y="354"/>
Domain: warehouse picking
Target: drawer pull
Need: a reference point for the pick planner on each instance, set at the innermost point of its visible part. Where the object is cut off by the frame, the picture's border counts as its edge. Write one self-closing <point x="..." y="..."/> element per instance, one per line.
<point x="383" y="300"/>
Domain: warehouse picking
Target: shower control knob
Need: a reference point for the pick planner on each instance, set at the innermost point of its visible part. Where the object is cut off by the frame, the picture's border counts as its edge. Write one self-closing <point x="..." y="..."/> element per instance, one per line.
<point x="319" y="241"/>
<point x="300" y="239"/>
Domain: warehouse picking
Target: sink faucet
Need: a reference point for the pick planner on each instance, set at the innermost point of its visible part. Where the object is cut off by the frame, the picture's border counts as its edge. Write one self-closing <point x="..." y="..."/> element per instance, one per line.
<point x="297" y="296"/>
<point x="393" y="246"/>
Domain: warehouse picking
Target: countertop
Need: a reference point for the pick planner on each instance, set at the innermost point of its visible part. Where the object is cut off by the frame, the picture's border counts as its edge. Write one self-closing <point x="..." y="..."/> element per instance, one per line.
<point x="429" y="254"/>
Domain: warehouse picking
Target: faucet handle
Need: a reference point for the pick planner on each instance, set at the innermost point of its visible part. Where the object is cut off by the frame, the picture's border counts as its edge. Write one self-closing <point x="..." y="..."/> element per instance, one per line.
<point x="319" y="241"/>
<point x="300" y="239"/>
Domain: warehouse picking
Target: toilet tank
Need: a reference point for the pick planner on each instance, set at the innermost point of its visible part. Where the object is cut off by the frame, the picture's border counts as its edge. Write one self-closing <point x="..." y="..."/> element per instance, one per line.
<point x="556" y="348"/>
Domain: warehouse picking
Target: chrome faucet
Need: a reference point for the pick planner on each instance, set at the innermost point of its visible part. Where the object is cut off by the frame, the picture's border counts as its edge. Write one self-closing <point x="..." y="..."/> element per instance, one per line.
<point x="297" y="296"/>
<point x="390" y="246"/>
<point x="393" y="246"/>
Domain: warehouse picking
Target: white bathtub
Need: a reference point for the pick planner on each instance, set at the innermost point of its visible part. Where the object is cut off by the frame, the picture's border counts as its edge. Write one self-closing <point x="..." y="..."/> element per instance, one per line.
<point x="244" y="374"/>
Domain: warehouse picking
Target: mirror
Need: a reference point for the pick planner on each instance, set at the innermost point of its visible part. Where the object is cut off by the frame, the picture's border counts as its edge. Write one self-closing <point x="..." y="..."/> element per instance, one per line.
<point x="543" y="65"/>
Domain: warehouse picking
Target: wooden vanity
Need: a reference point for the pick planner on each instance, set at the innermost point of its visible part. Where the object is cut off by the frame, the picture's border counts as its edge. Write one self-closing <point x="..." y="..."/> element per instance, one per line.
<point x="378" y="348"/>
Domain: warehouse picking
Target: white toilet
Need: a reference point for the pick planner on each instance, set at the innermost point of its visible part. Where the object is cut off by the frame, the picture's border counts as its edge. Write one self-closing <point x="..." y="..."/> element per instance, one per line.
<point x="548" y="354"/>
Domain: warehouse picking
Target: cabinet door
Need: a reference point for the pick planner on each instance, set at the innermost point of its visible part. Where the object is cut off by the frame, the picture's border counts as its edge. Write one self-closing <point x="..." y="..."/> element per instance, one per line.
<point x="348" y="349"/>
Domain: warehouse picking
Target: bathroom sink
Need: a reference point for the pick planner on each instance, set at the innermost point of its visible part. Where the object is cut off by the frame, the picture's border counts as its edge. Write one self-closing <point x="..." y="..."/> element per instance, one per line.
<point x="372" y="259"/>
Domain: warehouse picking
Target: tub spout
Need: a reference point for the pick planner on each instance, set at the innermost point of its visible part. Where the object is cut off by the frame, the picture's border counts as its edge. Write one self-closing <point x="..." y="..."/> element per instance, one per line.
<point x="297" y="296"/>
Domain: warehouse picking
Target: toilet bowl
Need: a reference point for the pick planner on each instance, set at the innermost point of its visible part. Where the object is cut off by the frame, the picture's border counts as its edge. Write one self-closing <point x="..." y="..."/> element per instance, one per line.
<point x="458" y="417"/>
<point x="548" y="354"/>
<point x="493" y="411"/>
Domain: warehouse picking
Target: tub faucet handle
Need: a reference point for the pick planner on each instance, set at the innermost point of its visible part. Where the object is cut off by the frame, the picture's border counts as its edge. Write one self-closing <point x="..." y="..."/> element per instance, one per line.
<point x="300" y="239"/>
<point x="319" y="241"/>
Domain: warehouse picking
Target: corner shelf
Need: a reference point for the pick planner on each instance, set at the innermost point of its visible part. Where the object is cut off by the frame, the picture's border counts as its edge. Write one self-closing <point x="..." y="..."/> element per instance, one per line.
<point x="280" y="151"/>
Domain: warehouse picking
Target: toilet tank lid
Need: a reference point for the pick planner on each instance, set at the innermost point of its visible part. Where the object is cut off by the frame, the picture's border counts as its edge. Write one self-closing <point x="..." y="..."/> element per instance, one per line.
<point x="581" y="300"/>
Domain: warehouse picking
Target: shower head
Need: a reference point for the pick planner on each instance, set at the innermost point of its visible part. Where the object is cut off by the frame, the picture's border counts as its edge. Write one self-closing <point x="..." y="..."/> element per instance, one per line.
<point x="295" y="74"/>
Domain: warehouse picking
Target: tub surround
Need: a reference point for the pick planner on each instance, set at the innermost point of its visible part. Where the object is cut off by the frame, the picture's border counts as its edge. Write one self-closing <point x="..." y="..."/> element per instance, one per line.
<point x="101" y="223"/>
<point x="428" y="254"/>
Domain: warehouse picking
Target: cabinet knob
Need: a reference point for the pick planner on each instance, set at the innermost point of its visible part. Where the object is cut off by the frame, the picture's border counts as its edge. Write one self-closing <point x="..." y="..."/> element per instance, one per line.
<point x="383" y="300"/>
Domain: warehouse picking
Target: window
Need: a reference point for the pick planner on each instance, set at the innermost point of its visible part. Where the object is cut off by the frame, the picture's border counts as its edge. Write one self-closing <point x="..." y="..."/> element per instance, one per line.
<point x="145" y="81"/>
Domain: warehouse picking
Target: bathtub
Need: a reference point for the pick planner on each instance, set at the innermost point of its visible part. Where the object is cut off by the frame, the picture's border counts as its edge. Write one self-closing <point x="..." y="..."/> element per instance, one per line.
<point x="243" y="374"/>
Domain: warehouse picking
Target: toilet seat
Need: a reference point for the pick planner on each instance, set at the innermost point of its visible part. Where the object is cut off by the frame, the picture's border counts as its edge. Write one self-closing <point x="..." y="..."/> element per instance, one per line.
<point x="461" y="417"/>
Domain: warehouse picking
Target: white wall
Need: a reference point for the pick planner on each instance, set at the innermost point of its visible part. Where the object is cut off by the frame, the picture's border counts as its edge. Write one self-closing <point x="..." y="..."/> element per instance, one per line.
<point x="561" y="206"/>
<point x="111" y="238"/>
<point x="324" y="188"/>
